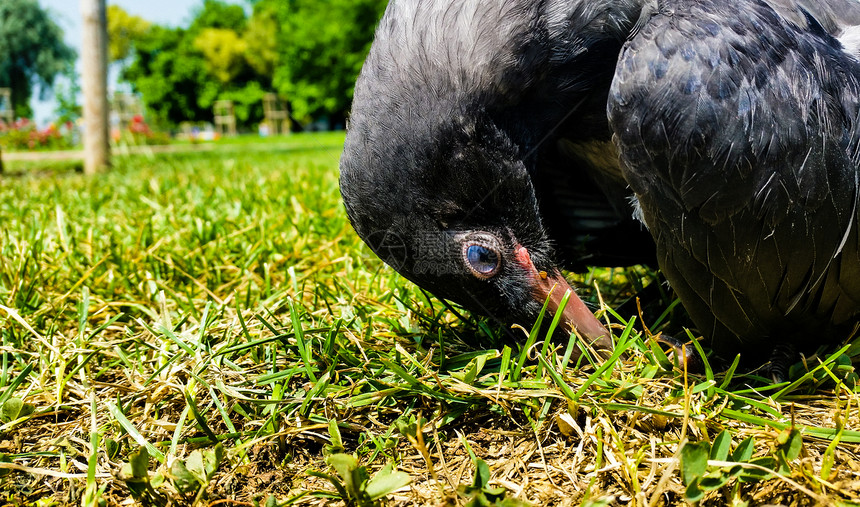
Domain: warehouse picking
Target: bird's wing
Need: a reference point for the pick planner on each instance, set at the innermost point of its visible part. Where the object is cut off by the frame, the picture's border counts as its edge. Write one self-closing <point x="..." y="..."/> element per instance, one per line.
<point x="834" y="16"/>
<point x="739" y="136"/>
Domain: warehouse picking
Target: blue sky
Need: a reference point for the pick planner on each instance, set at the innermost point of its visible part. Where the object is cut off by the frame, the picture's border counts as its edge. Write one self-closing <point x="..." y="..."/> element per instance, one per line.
<point x="67" y="15"/>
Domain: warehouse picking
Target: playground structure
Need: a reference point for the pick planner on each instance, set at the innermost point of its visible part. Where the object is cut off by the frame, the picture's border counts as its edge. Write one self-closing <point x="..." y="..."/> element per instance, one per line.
<point x="275" y="115"/>
<point x="225" y="117"/>
<point x="126" y="107"/>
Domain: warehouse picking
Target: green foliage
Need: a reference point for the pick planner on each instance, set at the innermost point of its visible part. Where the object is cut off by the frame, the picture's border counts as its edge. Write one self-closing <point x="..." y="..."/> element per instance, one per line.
<point x="15" y="408"/>
<point x="169" y="73"/>
<point x="138" y="133"/>
<point x="834" y="369"/>
<point x="181" y="73"/>
<point x="480" y="494"/>
<point x="135" y="475"/>
<point x="218" y="14"/>
<point x="191" y="475"/>
<point x="354" y="484"/>
<point x="699" y="477"/>
<point x="4" y="458"/>
<point x="224" y="51"/>
<point x="66" y="94"/>
<point x="32" y="49"/>
<point x="261" y="39"/>
<point x="292" y="47"/>
<point x="123" y="31"/>
<point x="320" y="59"/>
<point x="247" y="101"/>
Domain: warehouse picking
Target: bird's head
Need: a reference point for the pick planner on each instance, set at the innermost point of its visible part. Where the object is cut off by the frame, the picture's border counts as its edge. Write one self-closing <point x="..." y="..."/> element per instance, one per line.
<point x="451" y="105"/>
<point x="455" y="212"/>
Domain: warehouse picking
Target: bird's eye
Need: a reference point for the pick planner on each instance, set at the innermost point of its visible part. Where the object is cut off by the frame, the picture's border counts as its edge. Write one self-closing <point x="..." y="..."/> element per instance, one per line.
<point x="482" y="260"/>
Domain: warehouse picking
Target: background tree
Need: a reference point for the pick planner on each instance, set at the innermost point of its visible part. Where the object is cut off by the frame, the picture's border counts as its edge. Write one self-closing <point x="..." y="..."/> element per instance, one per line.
<point x="323" y="45"/>
<point x="32" y="51"/>
<point x="124" y="30"/>
<point x="169" y="73"/>
<point x="218" y="14"/>
<point x="224" y="52"/>
<point x="181" y="72"/>
<point x="262" y="34"/>
<point x="309" y="51"/>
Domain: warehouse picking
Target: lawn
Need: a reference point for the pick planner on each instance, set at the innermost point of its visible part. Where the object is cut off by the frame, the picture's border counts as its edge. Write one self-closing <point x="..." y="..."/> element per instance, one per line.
<point x="196" y="327"/>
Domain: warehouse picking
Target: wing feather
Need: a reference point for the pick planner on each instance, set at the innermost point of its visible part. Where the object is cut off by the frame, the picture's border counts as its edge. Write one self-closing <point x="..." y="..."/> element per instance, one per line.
<point x="739" y="138"/>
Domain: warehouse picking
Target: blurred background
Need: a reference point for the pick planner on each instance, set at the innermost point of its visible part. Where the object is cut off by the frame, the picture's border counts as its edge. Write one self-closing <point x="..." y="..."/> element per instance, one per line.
<point x="183" y="70"/>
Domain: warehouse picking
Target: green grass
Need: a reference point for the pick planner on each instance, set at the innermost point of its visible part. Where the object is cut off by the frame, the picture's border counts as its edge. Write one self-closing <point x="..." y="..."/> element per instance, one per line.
<point x="191" y="299"/>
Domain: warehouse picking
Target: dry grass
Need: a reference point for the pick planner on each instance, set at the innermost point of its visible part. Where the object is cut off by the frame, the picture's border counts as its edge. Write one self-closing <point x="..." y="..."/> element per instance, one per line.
<point x="185" y="300"/>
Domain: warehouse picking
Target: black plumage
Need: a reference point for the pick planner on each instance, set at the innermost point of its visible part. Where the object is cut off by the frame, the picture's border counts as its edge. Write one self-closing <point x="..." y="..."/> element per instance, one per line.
<point x="486" y="141"/>
<point x="740" y="139"/>
<point x="483" y="125"/>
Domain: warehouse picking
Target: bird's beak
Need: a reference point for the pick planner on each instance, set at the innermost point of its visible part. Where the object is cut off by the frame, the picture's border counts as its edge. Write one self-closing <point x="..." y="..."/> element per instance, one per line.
<point x="575" y="314"/>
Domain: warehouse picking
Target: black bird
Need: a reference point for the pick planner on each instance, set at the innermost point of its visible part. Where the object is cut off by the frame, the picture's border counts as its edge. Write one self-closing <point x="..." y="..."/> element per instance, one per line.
<point x="740" y="136"/>
<point x="480" y="160"/>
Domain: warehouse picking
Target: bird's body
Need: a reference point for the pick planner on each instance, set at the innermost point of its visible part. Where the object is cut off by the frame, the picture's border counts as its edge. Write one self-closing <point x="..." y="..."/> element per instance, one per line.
<point x="480" y="155"/>
<point x="741" y="140"/>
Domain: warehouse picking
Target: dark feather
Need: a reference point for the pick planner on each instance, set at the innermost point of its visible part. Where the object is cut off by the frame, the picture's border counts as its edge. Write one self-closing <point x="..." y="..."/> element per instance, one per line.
<point x="734" y="123"/>
<point x="742" y="156"/>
